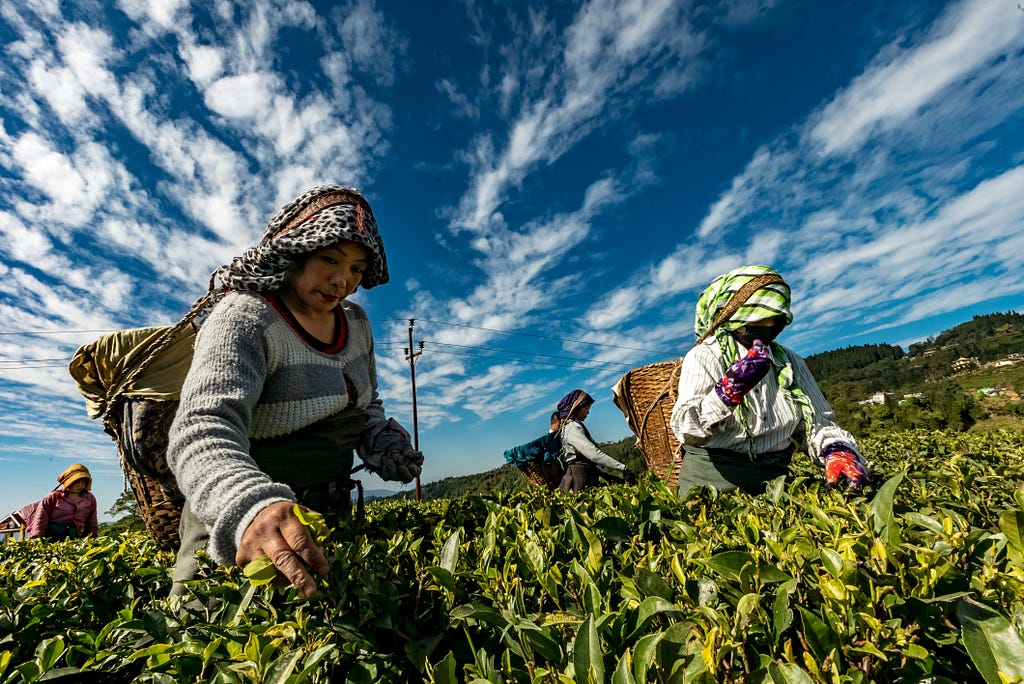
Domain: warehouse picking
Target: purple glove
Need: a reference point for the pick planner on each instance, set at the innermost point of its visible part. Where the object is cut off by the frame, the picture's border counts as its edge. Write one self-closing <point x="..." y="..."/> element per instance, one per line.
<point x="743" y="374"/>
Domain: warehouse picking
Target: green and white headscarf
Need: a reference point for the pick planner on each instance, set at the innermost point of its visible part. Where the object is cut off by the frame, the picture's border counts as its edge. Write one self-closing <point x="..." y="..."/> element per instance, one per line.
<point x="768" y="301"/>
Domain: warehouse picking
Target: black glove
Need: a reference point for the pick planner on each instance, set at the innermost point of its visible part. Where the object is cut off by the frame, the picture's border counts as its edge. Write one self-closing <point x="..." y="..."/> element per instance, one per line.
<point x="385" y="449"/>
<point x="628" y="476"/>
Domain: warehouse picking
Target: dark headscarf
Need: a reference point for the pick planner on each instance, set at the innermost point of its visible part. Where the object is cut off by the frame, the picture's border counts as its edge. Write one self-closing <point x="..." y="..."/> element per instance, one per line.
<point x="321" y="216"/>
<point x="573" y="400"/>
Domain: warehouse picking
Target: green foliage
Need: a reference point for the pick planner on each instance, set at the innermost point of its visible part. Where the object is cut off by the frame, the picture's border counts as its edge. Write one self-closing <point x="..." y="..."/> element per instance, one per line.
<point x="128" y="517"/>
<point x="920" y="578"/>
<point x="852" y="374"/>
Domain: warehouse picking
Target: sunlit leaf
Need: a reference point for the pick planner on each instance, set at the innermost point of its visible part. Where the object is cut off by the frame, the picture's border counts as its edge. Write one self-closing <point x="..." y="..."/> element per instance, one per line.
<point x="586" y="654"/>
<point x="995" y="646"/>
<point x="788" y="673"/>
<point x="881" y="504"/>
<point x="450" y="552"/>
<point x="444" y="671"/>
<point x="260" y="571"/>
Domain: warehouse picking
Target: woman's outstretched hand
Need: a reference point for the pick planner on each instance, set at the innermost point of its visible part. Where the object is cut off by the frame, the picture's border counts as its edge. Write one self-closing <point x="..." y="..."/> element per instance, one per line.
<point x="275" y="532"/>
<point x="744" y="374"/>
<point x="845" y="467"/>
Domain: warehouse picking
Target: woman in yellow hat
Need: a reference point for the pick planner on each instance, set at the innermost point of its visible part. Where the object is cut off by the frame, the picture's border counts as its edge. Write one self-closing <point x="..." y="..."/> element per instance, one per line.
<point x="67" y="511"/>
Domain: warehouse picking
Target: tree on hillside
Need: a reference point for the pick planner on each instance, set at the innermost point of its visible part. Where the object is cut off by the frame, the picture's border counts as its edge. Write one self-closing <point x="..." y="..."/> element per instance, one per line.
<point x="126" y="514"/>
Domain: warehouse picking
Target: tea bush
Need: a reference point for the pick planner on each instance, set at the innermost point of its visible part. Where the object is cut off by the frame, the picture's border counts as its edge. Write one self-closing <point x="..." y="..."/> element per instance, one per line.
<point x="919" y="578"/>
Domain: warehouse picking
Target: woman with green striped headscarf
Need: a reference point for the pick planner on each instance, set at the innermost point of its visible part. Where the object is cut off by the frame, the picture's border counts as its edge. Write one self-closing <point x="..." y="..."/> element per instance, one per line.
<point x="746" y="402"/>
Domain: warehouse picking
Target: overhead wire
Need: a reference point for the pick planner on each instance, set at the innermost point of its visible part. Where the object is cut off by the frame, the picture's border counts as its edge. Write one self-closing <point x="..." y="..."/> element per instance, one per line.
<point x="510" y="354"/>
<point x="537" y="335"/>
<point x="528" y="361"/>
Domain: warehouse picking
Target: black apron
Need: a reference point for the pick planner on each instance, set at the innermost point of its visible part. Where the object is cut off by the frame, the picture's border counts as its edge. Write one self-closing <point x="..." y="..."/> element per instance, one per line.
<point x="316" y="462"/>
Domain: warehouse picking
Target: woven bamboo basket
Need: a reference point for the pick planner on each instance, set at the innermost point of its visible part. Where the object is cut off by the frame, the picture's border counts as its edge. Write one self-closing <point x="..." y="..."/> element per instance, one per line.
<point x="161" y="515"/>
<point x="542" y="474"/>
<point x="646" y="395"/>
<point x="142" y="444"/>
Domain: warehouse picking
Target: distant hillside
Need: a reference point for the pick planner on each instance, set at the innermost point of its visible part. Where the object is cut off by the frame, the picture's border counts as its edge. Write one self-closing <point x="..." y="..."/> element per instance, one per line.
<point x="962" y="376"/>
<point x="858" y="372"/>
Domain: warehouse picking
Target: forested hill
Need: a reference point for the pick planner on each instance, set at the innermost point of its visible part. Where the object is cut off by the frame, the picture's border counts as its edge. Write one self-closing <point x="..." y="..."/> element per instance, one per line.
<point x="862" y="370"/>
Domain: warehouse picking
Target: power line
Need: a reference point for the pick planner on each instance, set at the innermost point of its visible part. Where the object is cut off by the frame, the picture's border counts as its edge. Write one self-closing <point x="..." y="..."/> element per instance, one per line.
<point x="529" y="353"/>
<point x="528" y="361"/>
<point x="56" y="332"/>
<point x="528" y="334"/>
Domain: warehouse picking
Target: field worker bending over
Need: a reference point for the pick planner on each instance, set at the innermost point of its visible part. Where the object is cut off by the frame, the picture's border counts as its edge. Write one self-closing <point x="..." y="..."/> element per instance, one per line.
<point x="68" y="511"/>
<point x="282" y="390"/>
<point x="745" y="401"/>
<point x="580" y="452"/>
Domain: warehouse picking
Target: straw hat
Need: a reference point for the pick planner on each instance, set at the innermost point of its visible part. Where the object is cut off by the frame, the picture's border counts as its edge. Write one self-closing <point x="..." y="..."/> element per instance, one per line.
<point x="74" y="473"/>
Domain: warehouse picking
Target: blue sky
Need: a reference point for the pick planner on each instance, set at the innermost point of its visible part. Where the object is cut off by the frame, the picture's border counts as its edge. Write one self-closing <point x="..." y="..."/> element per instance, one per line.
<point x="555" y="183"/>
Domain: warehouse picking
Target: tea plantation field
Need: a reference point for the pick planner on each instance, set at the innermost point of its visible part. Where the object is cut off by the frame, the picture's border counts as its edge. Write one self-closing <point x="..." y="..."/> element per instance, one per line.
<point x="918" y="579"/>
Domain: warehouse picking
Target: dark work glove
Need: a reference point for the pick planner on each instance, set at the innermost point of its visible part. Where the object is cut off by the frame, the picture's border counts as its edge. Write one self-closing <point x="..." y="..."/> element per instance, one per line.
<point x="843" y="466"/>
<point x="385" y="449"/>
<point x="743" y="374"/>
<point x="628" y="476"/>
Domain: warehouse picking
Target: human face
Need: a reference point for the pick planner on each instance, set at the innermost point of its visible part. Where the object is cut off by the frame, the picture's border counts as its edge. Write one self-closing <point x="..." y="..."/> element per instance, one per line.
<point x="765" y="330"/>
<point x="77" y="487"/>
<point x="583" y="412"/>
<point x="329" y="275"/>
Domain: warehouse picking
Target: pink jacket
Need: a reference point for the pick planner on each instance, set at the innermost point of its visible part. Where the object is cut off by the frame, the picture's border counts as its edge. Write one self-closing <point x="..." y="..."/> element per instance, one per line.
<point x="55" y="507"/>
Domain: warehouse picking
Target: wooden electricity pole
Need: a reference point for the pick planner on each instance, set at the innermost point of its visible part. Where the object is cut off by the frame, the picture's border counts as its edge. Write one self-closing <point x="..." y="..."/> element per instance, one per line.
<point x="411" y="356"/>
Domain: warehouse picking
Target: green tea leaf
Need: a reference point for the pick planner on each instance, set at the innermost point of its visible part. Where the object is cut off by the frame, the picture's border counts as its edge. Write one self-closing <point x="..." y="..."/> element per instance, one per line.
<point x="995" y="646"/>
<point x="442" y="577"/>
<point x="281" y="669"/>
<point x="819" y="635"/>
<point x="788" y="673"/>
<point x="729" y="563"/>
<point x="444" y="671"/>
<point x="314" y="521"/>
<point x="782" y="614"/>
<point x="832" y="561"/>
<point x="651" y="584"/>
<point x="623" y="673"/>
<point x="1011" y="524"/>
<point x="260" y="571"/>
<point x="586" y="654"/>
<point x="881" y="505"/>
<point x="450" y="552"/>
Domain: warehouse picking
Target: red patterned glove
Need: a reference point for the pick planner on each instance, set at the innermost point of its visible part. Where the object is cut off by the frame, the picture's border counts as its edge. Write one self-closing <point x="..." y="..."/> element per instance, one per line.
<point x="844" y="466"/>
<point x="743" y="374"/>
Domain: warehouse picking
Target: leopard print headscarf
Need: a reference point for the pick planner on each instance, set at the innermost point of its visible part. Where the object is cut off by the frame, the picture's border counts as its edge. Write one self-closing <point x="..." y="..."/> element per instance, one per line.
<point x="317" y="218"/>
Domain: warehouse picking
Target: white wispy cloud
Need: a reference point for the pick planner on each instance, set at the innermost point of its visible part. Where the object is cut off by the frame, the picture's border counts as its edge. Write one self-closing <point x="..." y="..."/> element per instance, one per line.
<point x="889" y="223"/>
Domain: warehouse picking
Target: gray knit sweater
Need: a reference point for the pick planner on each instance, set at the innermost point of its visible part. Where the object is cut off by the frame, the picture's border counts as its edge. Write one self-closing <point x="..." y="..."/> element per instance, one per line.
<point x="254" y="376"/>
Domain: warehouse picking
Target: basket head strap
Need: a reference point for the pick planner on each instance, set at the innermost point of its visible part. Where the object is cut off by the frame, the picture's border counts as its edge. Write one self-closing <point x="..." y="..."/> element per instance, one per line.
<point x="110" y="421"/>
<point x="738" y="299"/>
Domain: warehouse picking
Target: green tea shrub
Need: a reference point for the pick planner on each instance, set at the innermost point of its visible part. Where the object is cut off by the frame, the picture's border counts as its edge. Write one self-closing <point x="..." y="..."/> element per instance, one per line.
<point x="918" y="578"/>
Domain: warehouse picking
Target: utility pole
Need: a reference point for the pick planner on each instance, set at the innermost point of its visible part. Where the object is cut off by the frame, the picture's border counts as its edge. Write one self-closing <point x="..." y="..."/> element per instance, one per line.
<point x="410" y="356"/>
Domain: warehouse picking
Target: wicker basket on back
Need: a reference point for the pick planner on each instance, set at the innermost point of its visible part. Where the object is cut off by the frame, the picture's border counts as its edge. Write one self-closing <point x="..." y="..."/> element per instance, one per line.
<point x="646" y="395"/>
<point x="542" y="474"/>
<point x="132" y="378"/>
